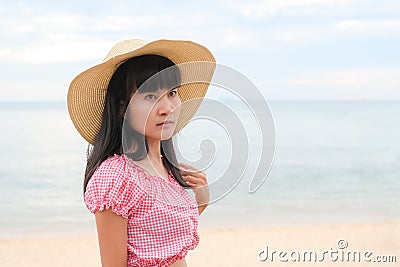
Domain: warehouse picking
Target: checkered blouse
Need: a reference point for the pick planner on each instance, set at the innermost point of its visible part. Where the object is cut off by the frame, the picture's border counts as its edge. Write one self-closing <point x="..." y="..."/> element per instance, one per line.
<point x="162" y="215"/>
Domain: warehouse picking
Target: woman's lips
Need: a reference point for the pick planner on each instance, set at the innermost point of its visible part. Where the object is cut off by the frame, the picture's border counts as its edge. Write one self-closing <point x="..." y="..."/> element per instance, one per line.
<point x="165" y="123"/>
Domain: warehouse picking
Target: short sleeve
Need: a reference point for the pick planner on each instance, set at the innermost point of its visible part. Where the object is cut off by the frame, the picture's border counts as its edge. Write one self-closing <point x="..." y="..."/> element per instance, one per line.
<point x="113" y="185"/>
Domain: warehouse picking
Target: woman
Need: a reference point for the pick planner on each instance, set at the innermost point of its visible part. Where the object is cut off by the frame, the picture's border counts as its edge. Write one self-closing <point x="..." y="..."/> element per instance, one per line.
<point x="128" y="108"/>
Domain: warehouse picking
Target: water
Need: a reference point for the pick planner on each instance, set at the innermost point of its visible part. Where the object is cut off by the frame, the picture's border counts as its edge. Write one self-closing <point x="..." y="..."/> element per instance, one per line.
<point x="41" y="171"/>
<point x="335" y="161"/>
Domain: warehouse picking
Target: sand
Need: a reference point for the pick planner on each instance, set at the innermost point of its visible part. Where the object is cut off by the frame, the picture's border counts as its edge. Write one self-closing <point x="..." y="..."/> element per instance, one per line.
<point x="229" y="247"/>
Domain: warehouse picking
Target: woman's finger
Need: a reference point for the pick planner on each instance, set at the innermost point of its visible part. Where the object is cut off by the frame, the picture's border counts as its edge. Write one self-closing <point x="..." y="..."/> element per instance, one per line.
<point x="187" y="168"/>
<point x="192" y="180"/>
<point x="193" y="172"/>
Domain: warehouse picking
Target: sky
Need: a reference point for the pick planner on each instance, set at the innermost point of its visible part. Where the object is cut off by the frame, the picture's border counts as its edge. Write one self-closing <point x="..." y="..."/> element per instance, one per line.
<point x="290" y="49"/>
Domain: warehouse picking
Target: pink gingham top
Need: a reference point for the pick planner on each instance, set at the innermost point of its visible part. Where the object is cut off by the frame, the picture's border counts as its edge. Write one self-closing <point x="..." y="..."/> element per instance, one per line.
<point x="162" y="215"/>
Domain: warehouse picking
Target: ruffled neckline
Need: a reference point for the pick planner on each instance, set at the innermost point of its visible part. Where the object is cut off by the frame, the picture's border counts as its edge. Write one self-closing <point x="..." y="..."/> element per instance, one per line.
<point x="170" y="175"/>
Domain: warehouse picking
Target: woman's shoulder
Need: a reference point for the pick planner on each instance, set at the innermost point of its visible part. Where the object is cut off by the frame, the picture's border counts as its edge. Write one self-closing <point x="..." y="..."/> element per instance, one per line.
<point x="112" y="164"/>
<point x="116" y="169"/>
<point x="113" y="184"/>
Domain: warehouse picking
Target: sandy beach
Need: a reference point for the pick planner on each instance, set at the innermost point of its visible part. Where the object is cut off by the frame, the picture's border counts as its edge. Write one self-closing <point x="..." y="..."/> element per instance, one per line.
<point x="231" y="247"/>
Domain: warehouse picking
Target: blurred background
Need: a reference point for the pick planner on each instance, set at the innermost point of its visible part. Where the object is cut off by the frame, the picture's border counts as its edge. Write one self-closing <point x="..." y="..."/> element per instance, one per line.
<point x="329" y="71"/>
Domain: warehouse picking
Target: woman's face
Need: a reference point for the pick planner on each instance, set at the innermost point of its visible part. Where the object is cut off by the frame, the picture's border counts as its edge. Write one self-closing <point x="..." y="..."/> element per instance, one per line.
<point x="155" y="114"/>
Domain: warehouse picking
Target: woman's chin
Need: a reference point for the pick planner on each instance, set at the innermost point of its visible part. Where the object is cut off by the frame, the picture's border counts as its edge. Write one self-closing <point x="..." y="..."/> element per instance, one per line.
<point x="167" y="135"/>
<point x="162" y="135"/>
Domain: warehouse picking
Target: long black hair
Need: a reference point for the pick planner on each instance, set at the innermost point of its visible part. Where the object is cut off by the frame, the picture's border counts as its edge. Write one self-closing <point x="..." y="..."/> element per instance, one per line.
<point x="126" y="80"/>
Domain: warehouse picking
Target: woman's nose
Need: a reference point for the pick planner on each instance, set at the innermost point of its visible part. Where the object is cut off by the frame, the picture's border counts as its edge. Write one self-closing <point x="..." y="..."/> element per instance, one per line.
<point x="165" y="105"/>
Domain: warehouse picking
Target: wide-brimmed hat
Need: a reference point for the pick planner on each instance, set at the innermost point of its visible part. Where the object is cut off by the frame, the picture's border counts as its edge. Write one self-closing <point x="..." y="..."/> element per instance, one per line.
<point x="87" y="91"/>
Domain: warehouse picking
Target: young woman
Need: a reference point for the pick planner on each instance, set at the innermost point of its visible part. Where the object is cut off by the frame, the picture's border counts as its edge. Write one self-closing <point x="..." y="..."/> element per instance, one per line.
<point x="128" y="108"/>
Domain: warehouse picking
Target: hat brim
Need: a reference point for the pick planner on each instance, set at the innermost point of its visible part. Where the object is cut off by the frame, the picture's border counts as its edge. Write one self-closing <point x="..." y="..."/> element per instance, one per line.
<point x="87" y="91"/>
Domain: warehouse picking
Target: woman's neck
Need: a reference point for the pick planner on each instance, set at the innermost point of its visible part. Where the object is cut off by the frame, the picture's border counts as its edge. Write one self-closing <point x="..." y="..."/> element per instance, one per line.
<point x="154" y="153"/>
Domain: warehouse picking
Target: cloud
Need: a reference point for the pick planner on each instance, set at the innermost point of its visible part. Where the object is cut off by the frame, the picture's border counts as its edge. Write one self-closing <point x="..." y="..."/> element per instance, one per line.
<point x="48" y="52"/>
<point x="268" y="30"/>
<point x="262" y="9"/>
<point x="45" y="36"/>
<point x="338" y="30"/>
<point x="50" y="38"/>
<point x="269" y="8"/>
<point x="63" y="37"/>
<point x="367" y="27"/>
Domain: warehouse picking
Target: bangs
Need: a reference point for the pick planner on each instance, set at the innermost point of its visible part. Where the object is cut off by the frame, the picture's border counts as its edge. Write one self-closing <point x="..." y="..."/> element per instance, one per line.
<point x="148" y="73"/>
<point x="167" y="78"/>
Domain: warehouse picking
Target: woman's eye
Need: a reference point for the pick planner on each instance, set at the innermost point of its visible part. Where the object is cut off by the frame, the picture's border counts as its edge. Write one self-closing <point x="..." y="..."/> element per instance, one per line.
<point x="150" y="97"/>
<point x="173" y="92"/>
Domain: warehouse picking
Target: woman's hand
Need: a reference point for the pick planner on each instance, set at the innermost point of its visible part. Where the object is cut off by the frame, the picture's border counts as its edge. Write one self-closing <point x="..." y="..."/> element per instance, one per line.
<point x="198" y="181"/>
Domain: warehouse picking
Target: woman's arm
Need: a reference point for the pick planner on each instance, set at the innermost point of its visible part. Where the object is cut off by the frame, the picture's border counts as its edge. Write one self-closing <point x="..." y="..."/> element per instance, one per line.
<point x="113" y="239"/>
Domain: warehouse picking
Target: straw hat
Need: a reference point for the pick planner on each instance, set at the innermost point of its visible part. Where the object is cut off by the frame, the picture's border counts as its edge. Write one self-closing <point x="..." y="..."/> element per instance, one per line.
<point x="87" y="91"/>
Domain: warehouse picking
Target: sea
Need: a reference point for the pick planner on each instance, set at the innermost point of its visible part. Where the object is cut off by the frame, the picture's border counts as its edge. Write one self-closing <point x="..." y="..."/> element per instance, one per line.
<point x="332" y="162"/>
